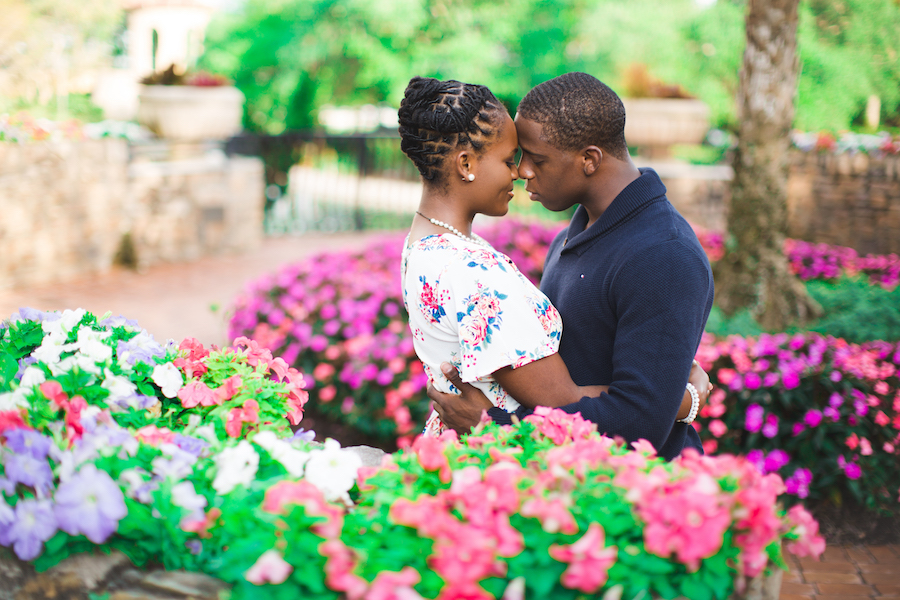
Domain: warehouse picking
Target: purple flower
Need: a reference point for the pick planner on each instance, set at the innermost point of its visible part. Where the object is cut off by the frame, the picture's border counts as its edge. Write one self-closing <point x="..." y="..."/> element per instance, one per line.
<point x="813" y="417"/>
<point x="832" y="413"/>
<point x="770" y="429"/>
<point x="798" y="429"/>
<point x="852" y="470"/>
<point x="754" y="418"/>
<point x="189" y="444"/>
<point x="836" y="376"/>
<point x="119" y="321"/>
<point x="30" y="471"/>
<point x="34" y="525"/>
<point x="775" y="460"/>
<point x="27" y="441"/>
<point x="770" y="379"/>
<point x="304" y="435"/>
<point x="861" y="407"/>
<point x="7" y="516"/>
<point x="90" y="503"/>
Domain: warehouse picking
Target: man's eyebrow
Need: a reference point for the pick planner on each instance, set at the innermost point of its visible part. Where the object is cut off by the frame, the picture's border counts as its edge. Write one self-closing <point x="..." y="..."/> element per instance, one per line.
<point x="527" y="151"/>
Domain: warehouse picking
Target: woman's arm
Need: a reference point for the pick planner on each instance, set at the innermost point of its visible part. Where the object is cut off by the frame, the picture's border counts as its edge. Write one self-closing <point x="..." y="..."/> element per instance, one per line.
<point x="546" y="382"/>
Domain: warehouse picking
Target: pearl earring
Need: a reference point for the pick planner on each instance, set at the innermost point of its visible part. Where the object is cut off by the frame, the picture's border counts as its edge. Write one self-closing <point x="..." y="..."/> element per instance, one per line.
<point x="471" y="177"/>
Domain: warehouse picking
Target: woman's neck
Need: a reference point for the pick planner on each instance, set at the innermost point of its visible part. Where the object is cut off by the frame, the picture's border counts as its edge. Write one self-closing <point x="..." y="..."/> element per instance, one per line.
<point x="443" y="207"/>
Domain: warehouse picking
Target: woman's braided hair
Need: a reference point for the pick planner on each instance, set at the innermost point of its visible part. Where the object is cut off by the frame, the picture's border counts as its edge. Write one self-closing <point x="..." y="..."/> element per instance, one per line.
<point x="437" y="116"/>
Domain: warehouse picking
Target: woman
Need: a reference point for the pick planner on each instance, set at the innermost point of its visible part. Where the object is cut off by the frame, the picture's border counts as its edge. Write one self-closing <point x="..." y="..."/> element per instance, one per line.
<point x="468" y="303"/>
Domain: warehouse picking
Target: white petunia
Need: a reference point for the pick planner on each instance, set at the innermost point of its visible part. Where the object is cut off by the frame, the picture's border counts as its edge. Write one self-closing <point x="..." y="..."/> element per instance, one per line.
<point x="168" y="378"/>
<point x="31" y="377"/>
<point x="235" y="466"/>
<point x="49" y="350"/>
<point x="289" y="457"/>
<point x="333" y="470"/>
<point x="122" y="392"/>
<point x="184" y="495"/>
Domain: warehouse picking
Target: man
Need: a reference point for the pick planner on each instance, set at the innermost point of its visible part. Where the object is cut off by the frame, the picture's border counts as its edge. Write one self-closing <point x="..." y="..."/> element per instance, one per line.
<point x="628" y="276"/>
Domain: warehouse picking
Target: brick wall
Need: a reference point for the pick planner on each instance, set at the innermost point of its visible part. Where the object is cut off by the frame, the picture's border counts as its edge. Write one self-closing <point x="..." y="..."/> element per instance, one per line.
<point x="65" y="208"/>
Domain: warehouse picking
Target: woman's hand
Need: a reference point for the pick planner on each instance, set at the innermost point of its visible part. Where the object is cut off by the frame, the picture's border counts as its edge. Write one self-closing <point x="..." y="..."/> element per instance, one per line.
<point x="461" y="412"/>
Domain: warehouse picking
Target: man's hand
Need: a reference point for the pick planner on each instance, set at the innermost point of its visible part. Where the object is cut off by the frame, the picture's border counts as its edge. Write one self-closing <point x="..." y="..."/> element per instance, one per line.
<point x="462" y="412"/>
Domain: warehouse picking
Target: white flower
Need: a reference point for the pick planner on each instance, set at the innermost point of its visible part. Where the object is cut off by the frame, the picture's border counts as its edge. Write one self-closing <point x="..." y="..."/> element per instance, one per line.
<point x="49" y="350"/>
<point x="11" y="401"/>
<point x="206" y="432"/>
<point x="235" y="466"/>
<point x="31" y="377"/>
<point x="184" y="495"/>
<point x="18" y="398"/>
<point x="289" y="457"/>
<point x="90" y="345"/>
<point x="168" y="378"/>
<point x="122" y="392"/>
<point x="333" y="470"/>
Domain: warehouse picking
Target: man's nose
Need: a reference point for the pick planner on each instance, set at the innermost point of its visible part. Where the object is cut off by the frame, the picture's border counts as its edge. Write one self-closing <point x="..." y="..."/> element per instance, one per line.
<point x="525" y="171"/>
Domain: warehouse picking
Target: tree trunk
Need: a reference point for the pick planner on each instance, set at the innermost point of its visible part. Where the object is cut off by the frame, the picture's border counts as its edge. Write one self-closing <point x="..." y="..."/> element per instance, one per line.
<point x="754" y="271"/>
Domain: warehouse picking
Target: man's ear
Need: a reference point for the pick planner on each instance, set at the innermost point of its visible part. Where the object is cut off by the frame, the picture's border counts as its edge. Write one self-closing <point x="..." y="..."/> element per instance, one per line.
<point x="463" y="164"/>
<point x="591" y="158"/>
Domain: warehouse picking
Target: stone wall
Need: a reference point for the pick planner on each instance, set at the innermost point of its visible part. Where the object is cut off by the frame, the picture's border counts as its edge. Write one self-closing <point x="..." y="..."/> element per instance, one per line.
<point x="68" y="208"/>
<point x="845" y="199"/>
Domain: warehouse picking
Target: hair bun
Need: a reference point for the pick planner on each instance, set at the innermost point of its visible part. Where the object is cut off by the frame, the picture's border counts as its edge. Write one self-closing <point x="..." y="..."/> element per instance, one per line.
<point x="433" y="104"/>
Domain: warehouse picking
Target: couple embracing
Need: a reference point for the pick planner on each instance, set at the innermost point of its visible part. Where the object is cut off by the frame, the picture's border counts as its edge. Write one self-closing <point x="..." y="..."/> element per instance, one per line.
<point x="628" y="277"/>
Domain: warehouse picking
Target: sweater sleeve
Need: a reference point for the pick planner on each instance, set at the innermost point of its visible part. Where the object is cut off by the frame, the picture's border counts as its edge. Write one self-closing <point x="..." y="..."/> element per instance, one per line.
<point x="661" y="298"/>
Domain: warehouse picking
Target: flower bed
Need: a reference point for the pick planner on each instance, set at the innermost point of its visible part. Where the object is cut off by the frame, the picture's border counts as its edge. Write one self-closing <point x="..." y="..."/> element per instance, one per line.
<point x="817" y="410"/>
<point x="169" y="473"/>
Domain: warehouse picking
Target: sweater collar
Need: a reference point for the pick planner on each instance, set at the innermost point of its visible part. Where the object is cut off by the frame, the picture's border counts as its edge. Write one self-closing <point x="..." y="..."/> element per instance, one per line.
<point x="634" y="197"/>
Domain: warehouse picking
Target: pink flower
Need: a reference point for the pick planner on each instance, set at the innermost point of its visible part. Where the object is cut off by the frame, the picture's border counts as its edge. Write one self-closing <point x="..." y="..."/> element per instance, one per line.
<point x="806" y="528"/>
<point x="882" y="419"/>
<point x="852" y="441"/>
<point x="754" y="418"/>
<point x="553" y="513"/>
<point x="229" y="388"/>
<point x="197" y="392"/>
<point x="588" y="560"/>
<point x="236" y="418"/>
<point x="389" y="585"/>
<point x="154" y="436"/>
<point x="430" y="452"/>
<point x="268" y="568"/>
<point x="717" y="428"/>
<point x="865" y="447"/>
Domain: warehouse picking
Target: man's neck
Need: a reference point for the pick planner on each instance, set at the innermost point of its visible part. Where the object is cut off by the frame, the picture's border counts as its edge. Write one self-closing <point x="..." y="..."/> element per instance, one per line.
<point x="618" y="175"/>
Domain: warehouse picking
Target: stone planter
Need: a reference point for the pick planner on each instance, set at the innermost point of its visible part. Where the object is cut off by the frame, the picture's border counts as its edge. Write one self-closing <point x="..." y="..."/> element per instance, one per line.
<point x="187" y="113"/>
<point x="654" y="124"/>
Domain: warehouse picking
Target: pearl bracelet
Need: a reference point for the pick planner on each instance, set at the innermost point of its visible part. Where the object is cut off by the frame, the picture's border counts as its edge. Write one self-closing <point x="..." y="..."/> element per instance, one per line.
<point x="695" y="405"/>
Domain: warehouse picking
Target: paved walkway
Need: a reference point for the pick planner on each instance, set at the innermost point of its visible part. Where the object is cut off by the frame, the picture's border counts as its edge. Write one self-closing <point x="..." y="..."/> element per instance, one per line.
<point x="176" y="301"/>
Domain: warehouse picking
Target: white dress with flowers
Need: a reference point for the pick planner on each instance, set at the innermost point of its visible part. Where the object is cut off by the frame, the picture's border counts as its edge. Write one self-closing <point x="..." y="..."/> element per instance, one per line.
<point x="470" y="306"/>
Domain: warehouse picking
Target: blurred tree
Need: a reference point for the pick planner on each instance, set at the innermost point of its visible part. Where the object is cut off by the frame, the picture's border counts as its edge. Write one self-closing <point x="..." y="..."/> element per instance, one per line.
<point x="754" y="271"/>
<point x="47" y="47"/>
<point x="294" y="56"/>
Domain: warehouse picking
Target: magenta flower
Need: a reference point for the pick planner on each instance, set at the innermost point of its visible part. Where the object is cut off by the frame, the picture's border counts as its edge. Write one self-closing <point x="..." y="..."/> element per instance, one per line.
<point x="775" y="460"/>
<point x="770" y="429"/>
<point x="90" y="504"/>
<point x="798" y="483"/>
<point x="752" y="381"/>
<point x="798" y="429"/>
<point x="813" y="417"/>
<point x="790" y="380"/>
<point x="832" y="413"/>
<point x="754" y="418"/>
<point x="757" y="459"/>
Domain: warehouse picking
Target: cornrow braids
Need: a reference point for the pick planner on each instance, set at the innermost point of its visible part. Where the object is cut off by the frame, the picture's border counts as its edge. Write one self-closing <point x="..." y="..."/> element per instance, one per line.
<point x="437" y="116"/>
<point x="577" y="110"/>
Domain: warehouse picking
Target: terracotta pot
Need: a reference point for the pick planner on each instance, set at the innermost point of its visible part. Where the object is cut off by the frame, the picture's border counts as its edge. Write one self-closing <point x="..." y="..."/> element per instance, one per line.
<point x="190" y="113"/>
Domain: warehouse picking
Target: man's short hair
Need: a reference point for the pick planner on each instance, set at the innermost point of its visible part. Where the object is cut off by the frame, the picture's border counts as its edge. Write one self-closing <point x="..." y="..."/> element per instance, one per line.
<point x="578" y="110"/>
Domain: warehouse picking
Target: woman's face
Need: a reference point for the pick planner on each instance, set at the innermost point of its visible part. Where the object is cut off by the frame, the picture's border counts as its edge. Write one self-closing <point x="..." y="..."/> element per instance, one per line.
<point x="495" y="171"/>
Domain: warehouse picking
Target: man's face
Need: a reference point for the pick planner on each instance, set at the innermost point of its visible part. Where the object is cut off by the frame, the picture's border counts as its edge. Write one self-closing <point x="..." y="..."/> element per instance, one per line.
<point x="553" y="177"/>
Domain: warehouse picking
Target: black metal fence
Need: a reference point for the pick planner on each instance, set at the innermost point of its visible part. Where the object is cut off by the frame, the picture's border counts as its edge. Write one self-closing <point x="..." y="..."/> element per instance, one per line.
<point x="326" y="182"/>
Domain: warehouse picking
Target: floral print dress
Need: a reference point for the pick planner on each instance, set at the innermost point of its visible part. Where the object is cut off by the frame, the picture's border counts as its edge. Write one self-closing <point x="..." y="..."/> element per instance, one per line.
<point x="469" y="305"/>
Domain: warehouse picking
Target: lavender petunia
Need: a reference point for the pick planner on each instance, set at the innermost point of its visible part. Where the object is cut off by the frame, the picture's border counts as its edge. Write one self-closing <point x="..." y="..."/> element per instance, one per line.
<point x="90" y="503"/>
<point x="34" y="524"/>
<point x="28" y="441"/>
<point x="119" y="321"/>
<point x="303" y="435"/>
<point x="30" y="471"/>
<point x="7" y="516"/>
<point x="191" y="445"/>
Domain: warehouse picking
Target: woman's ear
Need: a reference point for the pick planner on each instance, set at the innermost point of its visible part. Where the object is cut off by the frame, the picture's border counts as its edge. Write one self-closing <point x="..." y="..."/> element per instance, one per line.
<point x="591" y="158"/>
<point x="463" y="164"/>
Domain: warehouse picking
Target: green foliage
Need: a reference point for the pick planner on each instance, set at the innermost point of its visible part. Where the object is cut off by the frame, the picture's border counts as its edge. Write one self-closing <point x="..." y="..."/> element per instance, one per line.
<point x="854" y="309"/>
<point x="290" y="57"/>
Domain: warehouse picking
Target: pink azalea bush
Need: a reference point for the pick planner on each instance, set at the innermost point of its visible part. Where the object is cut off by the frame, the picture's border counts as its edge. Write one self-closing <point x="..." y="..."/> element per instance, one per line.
<point x="816" y="410"/>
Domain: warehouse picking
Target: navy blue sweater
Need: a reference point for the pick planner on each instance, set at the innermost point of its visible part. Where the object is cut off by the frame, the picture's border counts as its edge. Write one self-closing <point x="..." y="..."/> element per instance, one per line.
<point x="634" y="291"/>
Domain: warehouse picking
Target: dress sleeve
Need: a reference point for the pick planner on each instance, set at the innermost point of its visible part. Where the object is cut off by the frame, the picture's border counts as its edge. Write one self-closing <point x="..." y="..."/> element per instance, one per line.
<point x="501" y="318"/>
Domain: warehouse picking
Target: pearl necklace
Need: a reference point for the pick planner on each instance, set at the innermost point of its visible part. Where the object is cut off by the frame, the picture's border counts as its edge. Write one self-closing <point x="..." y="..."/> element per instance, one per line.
<point x="479" y="240"/>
